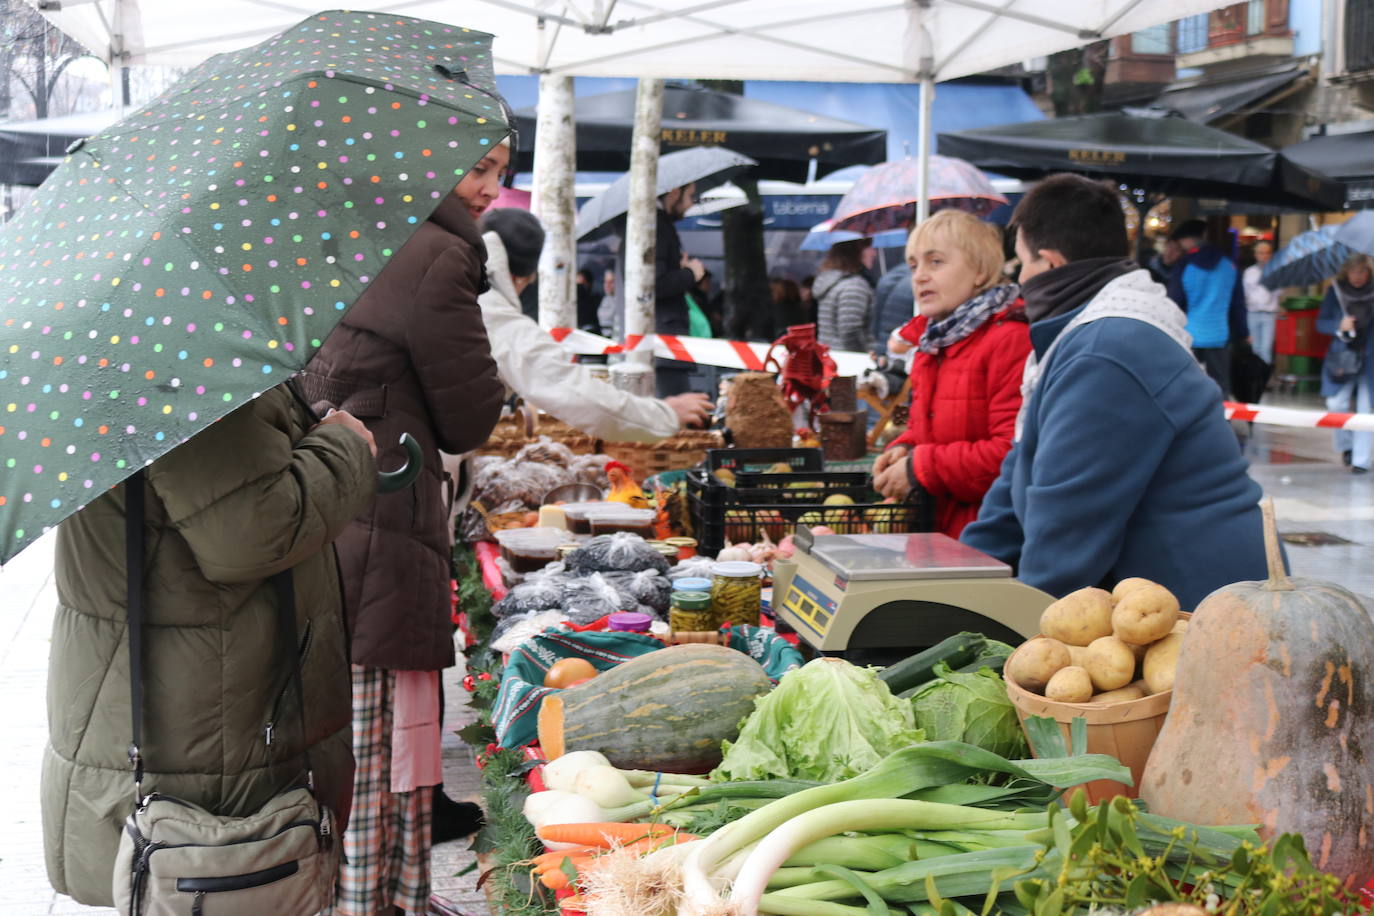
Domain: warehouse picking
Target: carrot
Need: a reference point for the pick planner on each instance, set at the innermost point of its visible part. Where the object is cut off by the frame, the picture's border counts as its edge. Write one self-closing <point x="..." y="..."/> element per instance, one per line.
<point x="559" y="855"/>
<point x="603" y="835"/>
<point x="554" y="879"/>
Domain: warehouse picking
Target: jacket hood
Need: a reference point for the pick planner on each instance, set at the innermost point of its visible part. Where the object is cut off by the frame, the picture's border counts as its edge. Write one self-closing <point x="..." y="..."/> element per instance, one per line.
<point x="452" y="216"/>
<point x="498" y="269"/>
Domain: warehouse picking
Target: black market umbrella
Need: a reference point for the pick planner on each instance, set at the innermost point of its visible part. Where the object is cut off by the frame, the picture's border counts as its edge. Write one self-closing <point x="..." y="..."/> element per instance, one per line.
<point x="782" y="140"/>
<point x="1346" y="157"/>
<point x="1149" y="152"/>
<point x="704" y="166"/>
<point x="30" y="150"/>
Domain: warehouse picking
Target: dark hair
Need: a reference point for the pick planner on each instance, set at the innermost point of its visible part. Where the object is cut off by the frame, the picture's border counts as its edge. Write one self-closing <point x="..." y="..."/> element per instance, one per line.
<point x="522" y="235"/>
<point x="1189" y="229"/>
<point x="1076" y="216"/>
<point x="846" y="257"/>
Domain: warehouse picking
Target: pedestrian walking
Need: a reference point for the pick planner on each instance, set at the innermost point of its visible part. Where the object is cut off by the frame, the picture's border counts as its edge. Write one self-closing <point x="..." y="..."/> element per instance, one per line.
<point x="1261" y="303"/>
<point x="1206" y="285"/>
<point x="971" y="340"/>
<point x="1347" y="314"/>
<point x="410" y="356"/>
<point x="844" y="299"/>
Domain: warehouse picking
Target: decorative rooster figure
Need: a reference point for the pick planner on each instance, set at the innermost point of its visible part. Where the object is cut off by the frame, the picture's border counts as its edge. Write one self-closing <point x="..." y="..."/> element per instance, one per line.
<point x="623" y="487"/>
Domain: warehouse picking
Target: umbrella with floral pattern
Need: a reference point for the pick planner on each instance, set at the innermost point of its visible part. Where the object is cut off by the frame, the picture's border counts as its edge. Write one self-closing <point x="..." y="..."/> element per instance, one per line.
<point x="884" y="197"/>
<point x="197" y="252"/>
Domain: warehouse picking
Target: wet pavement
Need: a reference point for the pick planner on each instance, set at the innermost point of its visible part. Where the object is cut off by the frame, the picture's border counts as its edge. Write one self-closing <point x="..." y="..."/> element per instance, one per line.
<point x="1314" y="495"/>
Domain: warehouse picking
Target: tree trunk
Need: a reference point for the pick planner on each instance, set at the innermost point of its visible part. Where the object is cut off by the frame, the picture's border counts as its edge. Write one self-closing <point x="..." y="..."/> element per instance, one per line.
<point x="554" y="203"/>
<point x="640" y="226"/>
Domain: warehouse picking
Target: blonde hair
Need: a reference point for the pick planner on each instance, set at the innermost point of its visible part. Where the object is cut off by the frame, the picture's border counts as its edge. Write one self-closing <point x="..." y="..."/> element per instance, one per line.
<point x="979" y="242"/>
<point x="1359" y="259"/>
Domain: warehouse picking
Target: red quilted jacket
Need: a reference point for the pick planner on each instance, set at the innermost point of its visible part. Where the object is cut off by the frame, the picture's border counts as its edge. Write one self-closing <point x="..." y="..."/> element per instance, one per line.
<point x="964" y="402"/>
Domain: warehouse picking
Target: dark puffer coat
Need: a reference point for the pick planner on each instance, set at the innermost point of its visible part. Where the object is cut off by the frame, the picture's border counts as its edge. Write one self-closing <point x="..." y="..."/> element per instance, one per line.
<point x="411" y="356"/>
<point x="254" y="494"/>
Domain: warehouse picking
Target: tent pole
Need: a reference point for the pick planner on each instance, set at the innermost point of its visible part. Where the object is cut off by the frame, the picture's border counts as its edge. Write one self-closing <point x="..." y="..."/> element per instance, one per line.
<point x="923" y="148"/>
<point x="640" y="227"/>
<point x="554" y="203"/>
<point x="923" y="45"/>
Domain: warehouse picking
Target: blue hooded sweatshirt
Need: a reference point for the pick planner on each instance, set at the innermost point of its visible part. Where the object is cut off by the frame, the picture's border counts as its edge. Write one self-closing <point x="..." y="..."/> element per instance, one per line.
<point x="1207" y="286"/>
<point x="1125" y="467"/>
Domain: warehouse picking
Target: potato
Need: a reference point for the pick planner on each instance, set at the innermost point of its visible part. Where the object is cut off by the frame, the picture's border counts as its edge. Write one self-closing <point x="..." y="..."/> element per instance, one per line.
<point x="1032" y="665"/>
<point x="1144" y="614"/>
<point x="1128" y="585"/>
<point x="1078" y="655"/>
<point x="1079" y="617"/>
<point x="1111" y="664"/>
<point x="1120" y="695"/>
<point x="1141" y="685"/>
<point x="1180" y="625"/>
<point x="1160" y="662"/>
<point x="1070" y="685"/>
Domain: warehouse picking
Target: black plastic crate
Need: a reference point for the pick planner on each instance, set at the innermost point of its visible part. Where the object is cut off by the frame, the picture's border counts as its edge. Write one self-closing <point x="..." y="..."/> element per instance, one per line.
<point x="774" y="503"/>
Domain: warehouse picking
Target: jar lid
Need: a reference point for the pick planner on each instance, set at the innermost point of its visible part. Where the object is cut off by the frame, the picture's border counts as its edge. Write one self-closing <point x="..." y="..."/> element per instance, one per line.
<point x="629" y="622"/>
<point x="681" y="542"/>
<point x="737" y="569"/>
<point x="668" y="550"/>
<point x="692" y="584"/>
<point x="692" y="601"/>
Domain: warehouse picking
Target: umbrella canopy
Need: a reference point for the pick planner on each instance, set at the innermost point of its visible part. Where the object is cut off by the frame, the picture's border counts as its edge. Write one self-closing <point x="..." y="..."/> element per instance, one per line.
<point x="783" y="140"/>
<point x="1171" y="155"/>
<point x="706" y="166"/>
<point x="1309" y="258"/>
<point x="1347" y="157"/>
<point x="1358" y="232"/>
<point x="824" y="234"/>
<point x="200" y="250"/>
<point x="885" y="196"/>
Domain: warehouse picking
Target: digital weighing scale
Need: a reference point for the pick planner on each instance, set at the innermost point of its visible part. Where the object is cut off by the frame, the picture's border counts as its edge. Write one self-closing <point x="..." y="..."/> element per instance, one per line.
<point x="884" y="596"/>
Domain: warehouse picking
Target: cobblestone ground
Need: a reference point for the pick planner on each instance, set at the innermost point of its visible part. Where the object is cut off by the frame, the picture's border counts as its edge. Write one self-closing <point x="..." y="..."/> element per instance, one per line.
<point x="1313" y="493"/>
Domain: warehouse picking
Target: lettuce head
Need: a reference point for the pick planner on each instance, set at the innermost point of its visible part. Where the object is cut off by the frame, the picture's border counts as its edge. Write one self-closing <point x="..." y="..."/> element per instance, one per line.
<point x="972" y="708"/>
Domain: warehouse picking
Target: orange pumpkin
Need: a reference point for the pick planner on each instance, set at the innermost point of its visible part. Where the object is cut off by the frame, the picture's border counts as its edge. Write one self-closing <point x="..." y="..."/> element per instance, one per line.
<point x="1272" y="720"/>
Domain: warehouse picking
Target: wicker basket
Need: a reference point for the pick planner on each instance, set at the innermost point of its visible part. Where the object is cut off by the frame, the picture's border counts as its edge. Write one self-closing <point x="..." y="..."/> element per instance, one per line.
<point x="644" y="459"/>
<point x="521" y="428"/>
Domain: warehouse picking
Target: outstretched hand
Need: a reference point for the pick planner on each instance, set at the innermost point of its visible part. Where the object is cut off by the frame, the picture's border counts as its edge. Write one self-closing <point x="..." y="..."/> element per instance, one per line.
<point x="693" y="409"/>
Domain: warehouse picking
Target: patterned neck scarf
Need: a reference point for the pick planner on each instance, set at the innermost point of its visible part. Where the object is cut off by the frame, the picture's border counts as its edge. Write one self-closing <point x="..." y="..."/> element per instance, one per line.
<point x="966" y="319"/>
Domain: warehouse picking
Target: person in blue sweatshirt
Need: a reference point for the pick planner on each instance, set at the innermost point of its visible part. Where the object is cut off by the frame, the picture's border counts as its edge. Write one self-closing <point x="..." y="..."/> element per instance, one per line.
<point x="1206" y="285"/>
<point x="1123" y="464"/>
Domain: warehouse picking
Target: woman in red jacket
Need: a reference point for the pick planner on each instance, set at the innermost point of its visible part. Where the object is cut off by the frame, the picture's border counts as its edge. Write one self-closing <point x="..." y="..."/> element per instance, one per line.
<point x="972" y="339"/>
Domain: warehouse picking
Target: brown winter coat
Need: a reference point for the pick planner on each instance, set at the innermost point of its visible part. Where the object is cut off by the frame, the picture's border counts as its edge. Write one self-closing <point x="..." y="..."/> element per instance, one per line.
<point x="254" y="494"/>
<point x="411" y="356"/>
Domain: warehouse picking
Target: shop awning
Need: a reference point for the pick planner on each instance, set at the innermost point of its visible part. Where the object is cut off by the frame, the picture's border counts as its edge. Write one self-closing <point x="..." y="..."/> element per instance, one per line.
<point x="1210" y="98"/>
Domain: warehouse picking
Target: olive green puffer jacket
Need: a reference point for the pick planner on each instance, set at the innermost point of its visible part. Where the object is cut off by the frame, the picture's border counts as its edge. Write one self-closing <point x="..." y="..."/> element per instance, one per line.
<point x="254" y="494"/>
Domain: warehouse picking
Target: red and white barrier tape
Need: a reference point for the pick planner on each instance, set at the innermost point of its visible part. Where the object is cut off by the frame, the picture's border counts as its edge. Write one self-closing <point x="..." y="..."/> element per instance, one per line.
<point x="728" y="354"/>
<point x="1305" y="419"/>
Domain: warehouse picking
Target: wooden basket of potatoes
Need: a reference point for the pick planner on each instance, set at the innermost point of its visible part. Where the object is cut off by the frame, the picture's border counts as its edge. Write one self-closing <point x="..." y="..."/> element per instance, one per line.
<point x="1107" y="657"/>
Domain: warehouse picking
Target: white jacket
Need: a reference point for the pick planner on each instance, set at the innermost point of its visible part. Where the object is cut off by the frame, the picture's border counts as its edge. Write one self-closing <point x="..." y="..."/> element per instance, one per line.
<point x="538" y="369"/>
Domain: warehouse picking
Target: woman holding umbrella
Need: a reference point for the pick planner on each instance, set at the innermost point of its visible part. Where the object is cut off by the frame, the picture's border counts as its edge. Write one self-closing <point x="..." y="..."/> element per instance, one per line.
<point x="972" y="340"/>
<point x="1347" y="313"/>
<point x="410" y="356"/>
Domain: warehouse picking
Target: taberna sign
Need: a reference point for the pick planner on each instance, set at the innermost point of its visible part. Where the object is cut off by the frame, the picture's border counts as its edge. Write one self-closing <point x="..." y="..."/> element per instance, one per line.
<point x="780" y="211"/>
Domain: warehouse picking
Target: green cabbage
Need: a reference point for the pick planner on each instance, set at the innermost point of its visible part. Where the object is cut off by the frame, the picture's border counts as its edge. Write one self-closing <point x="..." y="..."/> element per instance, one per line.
<point x="972" y="708"/>
<point x="828" y="720"/>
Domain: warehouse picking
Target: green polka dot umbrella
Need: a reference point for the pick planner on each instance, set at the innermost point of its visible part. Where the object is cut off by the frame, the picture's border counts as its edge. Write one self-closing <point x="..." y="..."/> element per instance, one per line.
<point x="197" y="252"/>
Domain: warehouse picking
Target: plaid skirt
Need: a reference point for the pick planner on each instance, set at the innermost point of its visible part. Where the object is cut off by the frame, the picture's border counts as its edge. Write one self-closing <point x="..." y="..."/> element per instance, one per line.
<point x="387" y="844"/>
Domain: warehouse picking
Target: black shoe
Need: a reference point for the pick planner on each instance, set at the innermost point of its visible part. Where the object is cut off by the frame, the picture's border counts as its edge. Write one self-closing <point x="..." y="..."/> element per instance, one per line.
<point x="453" y="820"/>
<point x="1346" y="456"/>
<point x="1356" y="469"/>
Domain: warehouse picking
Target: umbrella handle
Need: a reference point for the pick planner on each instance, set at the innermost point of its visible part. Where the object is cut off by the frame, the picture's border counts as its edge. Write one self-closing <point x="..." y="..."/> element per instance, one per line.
<point x="404" y="476"/>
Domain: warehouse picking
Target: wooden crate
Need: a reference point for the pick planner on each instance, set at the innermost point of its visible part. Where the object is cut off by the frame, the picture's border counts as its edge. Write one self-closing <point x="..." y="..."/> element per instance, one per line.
<point x="644" y="459"/>
<point x="520" y="429"/>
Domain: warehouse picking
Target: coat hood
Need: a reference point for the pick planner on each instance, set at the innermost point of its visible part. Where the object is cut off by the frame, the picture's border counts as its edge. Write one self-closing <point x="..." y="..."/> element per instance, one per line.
<point x="1206" y="256"/>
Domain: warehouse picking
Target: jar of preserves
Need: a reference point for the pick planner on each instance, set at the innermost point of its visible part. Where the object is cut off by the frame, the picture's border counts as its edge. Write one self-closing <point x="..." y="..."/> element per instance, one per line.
<point x="691" y="612"/>
<point x="737" y="592"/>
